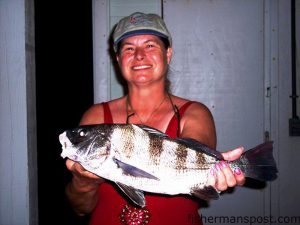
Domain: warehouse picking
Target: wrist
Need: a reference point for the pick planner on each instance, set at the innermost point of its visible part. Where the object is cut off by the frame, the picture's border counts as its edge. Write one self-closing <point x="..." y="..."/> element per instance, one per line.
<point x="82" y="200"/>
<point x="78" y="186"/>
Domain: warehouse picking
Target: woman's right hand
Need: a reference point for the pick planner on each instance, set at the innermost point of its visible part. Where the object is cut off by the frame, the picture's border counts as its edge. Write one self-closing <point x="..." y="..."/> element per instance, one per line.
<point x="83" y="179"/>
<point x="82" y="190"/>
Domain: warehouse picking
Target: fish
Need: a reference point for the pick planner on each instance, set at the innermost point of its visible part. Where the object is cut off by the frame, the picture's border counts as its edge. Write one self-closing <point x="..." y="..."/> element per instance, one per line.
<point x="139" y="159"/>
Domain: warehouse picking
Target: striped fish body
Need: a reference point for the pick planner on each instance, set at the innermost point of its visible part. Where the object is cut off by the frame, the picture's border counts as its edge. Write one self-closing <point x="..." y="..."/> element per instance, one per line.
<point x="173" y="166"/>
<point x="139" y="158"/>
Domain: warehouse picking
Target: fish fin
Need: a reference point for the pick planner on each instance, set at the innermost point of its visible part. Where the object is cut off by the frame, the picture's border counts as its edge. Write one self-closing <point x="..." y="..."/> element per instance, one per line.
<point x="152" y="130"/>
<point x="258" y="162"/>
<point x="207" y="193"/>
<point x="135" y="195"/>
<point x="197" y="146"/>
<point x="134" y="171"/>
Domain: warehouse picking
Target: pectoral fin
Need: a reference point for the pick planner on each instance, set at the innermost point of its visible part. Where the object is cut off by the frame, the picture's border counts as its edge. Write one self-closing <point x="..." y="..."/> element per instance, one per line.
<point x="207" y="193"/>
<point x="134" y="171"/>
<point x="137" y="196"/>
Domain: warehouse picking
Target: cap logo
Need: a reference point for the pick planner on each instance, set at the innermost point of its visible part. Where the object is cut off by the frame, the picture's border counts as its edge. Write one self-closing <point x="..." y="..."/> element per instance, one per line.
<point x="139" y="20"/>
<point x="132" y="19"/>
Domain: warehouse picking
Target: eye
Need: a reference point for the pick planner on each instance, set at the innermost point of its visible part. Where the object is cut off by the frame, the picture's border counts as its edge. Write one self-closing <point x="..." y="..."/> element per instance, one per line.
<point x="149" y="45"/>
<point x="81" y="133"/>
<point x="127" y="49"/>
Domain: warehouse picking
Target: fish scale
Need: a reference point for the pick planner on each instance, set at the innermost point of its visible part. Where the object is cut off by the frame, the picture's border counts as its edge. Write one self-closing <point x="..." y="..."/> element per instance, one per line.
<point x="141" y="159"/>
<point x="136" y="152"/>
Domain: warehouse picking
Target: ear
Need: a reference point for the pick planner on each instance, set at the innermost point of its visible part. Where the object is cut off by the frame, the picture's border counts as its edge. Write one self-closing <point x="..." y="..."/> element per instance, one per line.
<point x="169" y="54"/>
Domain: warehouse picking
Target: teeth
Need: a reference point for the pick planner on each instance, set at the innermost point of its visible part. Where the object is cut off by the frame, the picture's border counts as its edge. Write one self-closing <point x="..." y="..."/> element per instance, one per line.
<point x="141" y="67"/>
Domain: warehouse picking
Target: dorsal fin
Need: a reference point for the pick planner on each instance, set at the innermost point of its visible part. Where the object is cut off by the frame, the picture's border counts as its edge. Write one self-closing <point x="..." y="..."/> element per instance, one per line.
<point x="188" y="142"/>
<point x="152" y="130"/>
<point x="197" y="146"/>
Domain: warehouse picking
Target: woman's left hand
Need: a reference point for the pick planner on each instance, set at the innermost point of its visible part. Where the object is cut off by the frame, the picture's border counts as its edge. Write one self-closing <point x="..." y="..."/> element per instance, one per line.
<point x="223" y="176"/>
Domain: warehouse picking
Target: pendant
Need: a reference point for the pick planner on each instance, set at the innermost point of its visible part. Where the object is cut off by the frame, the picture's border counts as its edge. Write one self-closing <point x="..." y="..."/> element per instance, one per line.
<point x="134" y="216"/>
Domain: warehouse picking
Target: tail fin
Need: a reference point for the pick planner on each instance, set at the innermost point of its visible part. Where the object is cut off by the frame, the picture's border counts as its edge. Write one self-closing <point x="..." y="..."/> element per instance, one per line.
<point x="258" y="162"/>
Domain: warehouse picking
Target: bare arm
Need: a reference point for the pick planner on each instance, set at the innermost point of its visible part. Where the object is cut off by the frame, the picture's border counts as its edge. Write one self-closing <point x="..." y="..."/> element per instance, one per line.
<point x="198" y="123"/>
<point x="82" y="190"/>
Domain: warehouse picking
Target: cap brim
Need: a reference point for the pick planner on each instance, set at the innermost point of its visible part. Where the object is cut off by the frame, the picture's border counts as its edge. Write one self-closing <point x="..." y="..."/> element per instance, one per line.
<point x="139" y="32"/>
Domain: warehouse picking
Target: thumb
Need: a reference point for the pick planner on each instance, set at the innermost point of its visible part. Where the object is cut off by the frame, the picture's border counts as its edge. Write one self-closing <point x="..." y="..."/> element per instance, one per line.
<point x="70" y="163"/>
<point x="233" y="154"/>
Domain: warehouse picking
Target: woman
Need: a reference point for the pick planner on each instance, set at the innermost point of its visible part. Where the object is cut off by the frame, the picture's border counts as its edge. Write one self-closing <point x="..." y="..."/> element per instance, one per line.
<point x="143" y="48"/>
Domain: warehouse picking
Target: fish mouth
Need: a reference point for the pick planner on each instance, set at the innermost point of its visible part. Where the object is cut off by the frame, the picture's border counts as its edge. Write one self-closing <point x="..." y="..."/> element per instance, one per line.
<point x="64" y="140"/>
<point x="141" y="67"/>
<point x="66" y="146"/>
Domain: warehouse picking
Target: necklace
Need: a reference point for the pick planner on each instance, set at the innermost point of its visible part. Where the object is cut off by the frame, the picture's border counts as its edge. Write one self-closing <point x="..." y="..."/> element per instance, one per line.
<point x="135" y="113"/>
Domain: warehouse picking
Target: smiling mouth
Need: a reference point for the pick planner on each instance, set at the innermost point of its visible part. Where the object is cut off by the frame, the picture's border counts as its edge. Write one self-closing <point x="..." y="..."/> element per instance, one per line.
<point x="141" y="67"/>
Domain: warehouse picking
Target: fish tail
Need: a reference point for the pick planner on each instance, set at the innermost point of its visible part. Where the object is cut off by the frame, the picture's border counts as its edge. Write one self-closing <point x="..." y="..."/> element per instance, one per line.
<point x="258" y="162"/>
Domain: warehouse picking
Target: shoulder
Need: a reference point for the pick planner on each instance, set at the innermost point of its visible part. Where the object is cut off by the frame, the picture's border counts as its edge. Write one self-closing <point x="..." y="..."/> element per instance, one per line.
<point x="198" y="113"/>
<point x="95" y="114"/>
<point x="194" y="107"/>
<point x="198" y="110"/>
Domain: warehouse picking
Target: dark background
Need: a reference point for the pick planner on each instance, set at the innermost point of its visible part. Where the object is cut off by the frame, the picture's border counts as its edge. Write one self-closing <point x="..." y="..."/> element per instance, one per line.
<point x="64" y="84"/>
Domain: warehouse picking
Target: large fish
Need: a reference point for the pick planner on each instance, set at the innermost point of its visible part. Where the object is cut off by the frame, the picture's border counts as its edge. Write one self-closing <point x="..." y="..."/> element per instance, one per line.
<point x="139" y="158"/>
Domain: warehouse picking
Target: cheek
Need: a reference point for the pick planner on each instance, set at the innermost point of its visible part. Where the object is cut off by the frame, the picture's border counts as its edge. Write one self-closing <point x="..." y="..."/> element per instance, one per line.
<point x="124" y="63"/>
<point x="162" y="63"/>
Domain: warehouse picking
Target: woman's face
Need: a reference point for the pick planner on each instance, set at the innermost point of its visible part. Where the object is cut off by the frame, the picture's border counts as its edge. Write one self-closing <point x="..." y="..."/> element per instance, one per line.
<point x="143" y="59"/>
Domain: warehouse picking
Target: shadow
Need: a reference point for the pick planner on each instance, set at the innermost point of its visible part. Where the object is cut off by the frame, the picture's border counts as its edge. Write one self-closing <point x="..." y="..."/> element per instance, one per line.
<point x="115" y="65"/>
<point x="249" y="184"/>
<point x="255" y="184"/>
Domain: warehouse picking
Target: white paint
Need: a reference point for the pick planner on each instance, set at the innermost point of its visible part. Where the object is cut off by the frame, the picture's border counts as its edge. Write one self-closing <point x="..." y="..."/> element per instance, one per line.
<point x="101" y="50"/>
<point x="18" y="183"/>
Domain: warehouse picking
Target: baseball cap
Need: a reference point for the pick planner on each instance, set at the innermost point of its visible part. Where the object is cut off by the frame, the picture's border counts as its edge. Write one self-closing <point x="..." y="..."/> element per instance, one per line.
<point x="140" y="23"/>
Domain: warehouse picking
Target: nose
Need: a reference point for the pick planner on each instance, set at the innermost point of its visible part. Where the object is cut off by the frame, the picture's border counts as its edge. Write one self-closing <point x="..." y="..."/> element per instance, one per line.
<point x="139" y="54"/>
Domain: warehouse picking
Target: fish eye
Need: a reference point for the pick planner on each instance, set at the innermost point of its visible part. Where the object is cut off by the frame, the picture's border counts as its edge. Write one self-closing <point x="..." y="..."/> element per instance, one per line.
<point x="81" y="133"/>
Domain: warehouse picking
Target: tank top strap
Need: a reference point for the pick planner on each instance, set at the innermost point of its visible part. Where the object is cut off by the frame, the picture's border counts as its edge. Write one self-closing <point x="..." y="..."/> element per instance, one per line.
<point x="173" y="124"/>
<point x="107" y="113"/>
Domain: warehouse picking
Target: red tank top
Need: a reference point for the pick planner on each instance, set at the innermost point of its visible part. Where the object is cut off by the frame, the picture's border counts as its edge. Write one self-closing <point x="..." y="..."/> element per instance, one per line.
<point x="162" y="210"/>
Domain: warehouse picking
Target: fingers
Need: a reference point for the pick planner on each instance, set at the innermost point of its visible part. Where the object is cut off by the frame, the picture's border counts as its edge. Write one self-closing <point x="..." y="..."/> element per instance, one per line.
<point x="236" y="176"/>
<point x="79" y="171"/>
<point x="224" y="177"/>
<point x="239" y="176"/>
